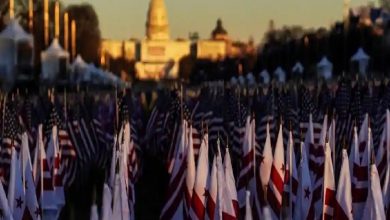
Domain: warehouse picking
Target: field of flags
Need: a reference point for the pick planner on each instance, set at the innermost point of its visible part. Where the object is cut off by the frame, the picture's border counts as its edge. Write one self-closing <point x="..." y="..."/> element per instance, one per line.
<point x="51" y="151"/>
<point x="314" y="151"/>
<point x="293" y="151"/>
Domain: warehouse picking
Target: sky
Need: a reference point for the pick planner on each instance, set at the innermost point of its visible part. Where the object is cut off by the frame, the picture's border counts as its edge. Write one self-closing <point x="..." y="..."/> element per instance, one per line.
<point x="124" y="19"/>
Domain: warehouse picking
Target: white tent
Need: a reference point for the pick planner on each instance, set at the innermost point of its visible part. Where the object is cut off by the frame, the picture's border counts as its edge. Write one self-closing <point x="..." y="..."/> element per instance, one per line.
<point x="298" y="68"/>
<point x="51" y="61"/>
<point x="250" y="79"/>
<point x="241" y="80"/>
<point x="94" y="74"/>
<point x="233" y="81"/>
<point x="325" y="68"/>
<point x="281" y="75"/>
<point x="264" y="75"/>
<point x="80" y="70"/>
<point x="362" y="59"/>
<point x="12" y="39"/>
<point x="15" y="32"/>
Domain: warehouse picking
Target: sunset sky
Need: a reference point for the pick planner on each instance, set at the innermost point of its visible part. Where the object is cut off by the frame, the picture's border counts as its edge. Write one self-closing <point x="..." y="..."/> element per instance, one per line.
<point x="123" y="19"/>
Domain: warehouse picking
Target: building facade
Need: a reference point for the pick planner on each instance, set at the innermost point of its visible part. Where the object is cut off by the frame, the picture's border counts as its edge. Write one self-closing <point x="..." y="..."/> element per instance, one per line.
<point x="157" y="56"/>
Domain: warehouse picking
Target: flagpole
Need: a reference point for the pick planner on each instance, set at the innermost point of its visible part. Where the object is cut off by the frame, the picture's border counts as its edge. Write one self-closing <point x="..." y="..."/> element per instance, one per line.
<point x="369" y="152"/>
<point x="4" y="106"/>
<point x="254" y="149"/>
<point x="65" y="106"/>
<point x="333" y="138"/>
<point x="181" y="100"/>
<point x="41" y="163"/>
<point x="116" y="109"/>
<point x="290" y="171"/>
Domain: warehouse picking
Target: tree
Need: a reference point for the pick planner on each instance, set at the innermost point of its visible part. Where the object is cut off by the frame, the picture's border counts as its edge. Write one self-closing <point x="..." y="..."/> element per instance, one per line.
<point x="385" y="4"/>
<point x="88" y="32"/>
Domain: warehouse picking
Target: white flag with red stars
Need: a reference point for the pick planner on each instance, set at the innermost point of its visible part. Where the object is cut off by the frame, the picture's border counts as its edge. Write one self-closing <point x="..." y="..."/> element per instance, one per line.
<point x="276" y="183"/>
<point x="18" y="203"/>
<point x="198" y="203"/>
<point x="305" y="190"/>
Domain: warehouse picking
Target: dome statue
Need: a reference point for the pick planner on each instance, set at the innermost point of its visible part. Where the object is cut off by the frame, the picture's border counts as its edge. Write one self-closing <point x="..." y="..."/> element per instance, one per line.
<point x="219" y="32"/>
<point x="157" y="26"/>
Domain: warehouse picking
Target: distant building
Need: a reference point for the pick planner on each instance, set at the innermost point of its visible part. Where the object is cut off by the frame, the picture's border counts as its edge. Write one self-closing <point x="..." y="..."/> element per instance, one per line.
<point x="114" y="49"/>
<point x="159" y="57"/>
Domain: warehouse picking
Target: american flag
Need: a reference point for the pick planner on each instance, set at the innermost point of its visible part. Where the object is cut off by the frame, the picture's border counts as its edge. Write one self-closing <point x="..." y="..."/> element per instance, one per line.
<point x="11" y="138"/>
<point x="344" y="120"/>
<point x="173" y="121"/>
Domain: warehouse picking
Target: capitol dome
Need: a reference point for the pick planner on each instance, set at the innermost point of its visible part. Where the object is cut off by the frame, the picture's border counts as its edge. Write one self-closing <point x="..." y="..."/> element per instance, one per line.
<point x="157" y="26"/>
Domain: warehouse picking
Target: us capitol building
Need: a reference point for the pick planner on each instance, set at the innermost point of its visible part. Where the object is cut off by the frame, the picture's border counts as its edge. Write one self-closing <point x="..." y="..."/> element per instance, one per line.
<point x="158" y="56"/>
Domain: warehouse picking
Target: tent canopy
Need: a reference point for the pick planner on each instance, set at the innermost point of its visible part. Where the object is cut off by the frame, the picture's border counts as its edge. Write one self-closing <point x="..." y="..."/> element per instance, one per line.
<point x="325" y="68"/>
<point x="55" y="50"/>
<point x="250" y="78"/>
<point x="324" y="63"/>
<point x="298" y="68"/>
<point x="360" y="55"/>
<point x="15" y="32"/>
<point x="79" y="62"/>
<point x="279" y="72"/>
<point x="265" y="76"/>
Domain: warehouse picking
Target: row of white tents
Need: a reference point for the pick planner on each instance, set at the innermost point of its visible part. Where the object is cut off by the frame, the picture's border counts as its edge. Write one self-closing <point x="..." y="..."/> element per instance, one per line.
<point x="77" y="72"/>
<point x="55" y="60"/>
<point x="324" y="70"/>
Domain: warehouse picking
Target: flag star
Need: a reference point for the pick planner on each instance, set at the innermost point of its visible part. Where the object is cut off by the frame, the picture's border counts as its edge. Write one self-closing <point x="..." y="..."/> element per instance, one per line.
<point x="205" y="194"/>
<point x="307" y="192"/>
<point x="262" y="159"/>
<point x="19" y="202"/>
<point x="283" y="169"/>
<point x="38" y="212"/>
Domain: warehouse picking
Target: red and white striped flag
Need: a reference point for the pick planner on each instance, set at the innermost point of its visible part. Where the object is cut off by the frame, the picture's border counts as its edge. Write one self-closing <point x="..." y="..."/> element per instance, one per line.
<point x="174" y="206"/>
<point x="53" y="159"/>
<point x="329" y="193"/>
<point x="43" y="178"/>
<point x="230" y="182"/>
<point x="316" y="166"/>
<point x="198" y="203"/>
<point x="291" y="188"/>
<point x="374" y="208"/>
<point x="305" y="189"/>
<point x="360" y="164"/>
<point x="276" y="183"/>
<point x="383" y="149"/>
<point x="191" y="172"/>
<point x="246" y="175"/>
<point x="343" y="205"/>
<point x="212" y="188"/>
